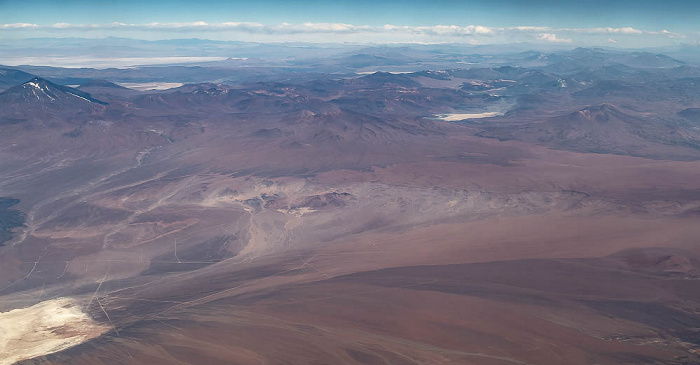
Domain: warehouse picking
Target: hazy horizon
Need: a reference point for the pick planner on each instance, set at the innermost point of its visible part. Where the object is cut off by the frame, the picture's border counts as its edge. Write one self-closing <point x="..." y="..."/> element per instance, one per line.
<point x="38" y="32"/>
<point x="122" y="52"/>
<point x="616" y="24"/>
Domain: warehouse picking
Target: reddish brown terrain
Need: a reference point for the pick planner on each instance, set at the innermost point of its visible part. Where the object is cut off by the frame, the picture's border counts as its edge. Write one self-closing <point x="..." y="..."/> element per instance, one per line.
<point x="336" y="221"/>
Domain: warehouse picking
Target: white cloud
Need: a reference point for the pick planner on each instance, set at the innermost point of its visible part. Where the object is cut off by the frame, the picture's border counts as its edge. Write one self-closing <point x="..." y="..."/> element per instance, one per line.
<point x="527" y="29"/>
<point x="551" y="37"/>
<point x="436" y="30"/>
<point x="609" y="30"/>
<point x="454" y="30"/>
<point x="441" y="30"/>
<point x="18" y="26"/>
<point x="343" y="32"/>
<point x="597" y="30"/>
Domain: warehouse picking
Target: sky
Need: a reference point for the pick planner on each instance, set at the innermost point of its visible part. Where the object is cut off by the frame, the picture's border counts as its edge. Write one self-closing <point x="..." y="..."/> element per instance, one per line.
<point x="620" y="23"/>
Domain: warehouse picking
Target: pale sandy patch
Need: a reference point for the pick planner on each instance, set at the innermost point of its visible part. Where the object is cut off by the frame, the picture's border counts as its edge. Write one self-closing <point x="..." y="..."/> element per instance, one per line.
<point x="101" y="62"/>
<point x="44" y="328"/>
<point x="463" y="116"/>
<point x="389" y="72"/>
<point x="146" y="86"/>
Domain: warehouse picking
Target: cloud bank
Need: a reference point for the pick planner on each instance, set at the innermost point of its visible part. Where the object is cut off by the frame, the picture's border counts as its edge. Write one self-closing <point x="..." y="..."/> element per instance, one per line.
<point x="324" y="32"/>
<point x="551" y="37"/>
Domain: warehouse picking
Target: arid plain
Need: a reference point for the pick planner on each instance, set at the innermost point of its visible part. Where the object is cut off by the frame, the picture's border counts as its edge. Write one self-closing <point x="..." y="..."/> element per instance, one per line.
<point x="339" y="220"/>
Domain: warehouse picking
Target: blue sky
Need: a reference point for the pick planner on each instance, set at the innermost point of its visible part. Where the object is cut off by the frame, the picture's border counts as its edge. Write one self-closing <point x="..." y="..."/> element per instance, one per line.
<point x="621" y="22"/>
<point x="679" y="15"/>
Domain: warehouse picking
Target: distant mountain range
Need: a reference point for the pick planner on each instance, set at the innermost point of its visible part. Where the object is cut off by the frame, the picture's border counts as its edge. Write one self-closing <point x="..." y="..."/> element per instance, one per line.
<point x="604" y="129"/>
<point x="10" y="77"/>
<point x="586" y="100"/>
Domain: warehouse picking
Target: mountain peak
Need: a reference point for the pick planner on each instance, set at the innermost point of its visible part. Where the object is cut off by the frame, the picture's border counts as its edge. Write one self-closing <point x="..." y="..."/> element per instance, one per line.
<point x="602" y="112"/>
<point x="38" y="83"/>
<point x="39" y="90"/>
